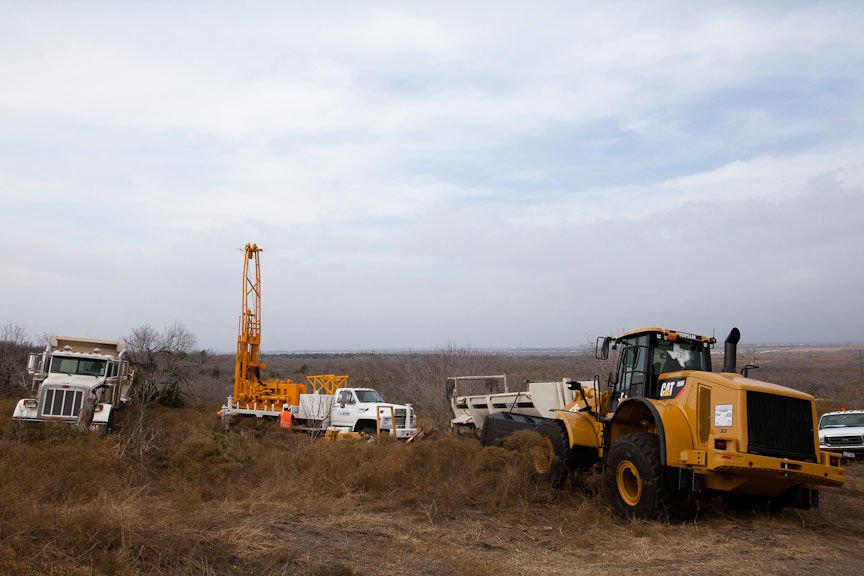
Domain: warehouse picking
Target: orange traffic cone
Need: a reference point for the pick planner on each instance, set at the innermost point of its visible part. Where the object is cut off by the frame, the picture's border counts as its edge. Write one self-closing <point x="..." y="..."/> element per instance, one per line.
<point x="286" y="419"/>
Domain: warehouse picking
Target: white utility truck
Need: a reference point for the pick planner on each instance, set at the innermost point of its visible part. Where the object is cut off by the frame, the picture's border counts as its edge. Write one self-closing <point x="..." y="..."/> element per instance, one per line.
<point x="354" y="410"/>
<point x="76" y="381"/>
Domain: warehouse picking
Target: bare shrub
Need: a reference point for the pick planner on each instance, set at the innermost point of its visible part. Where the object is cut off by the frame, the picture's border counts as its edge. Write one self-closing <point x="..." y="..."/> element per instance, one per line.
<point x="164" y="363"/>
<point x="425" y="377"/>
<point x="15" y="345"/>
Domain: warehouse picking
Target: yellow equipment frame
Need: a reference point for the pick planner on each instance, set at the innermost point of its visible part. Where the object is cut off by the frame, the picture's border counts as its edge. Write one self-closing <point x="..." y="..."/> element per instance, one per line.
<point x="326" y="382"/>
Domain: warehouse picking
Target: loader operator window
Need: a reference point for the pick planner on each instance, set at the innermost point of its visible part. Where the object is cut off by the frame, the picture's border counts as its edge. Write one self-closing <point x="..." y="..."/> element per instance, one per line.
<point x="668" y="356"/>
<point x="681" y="355"/>
<point x="632" y="369"/>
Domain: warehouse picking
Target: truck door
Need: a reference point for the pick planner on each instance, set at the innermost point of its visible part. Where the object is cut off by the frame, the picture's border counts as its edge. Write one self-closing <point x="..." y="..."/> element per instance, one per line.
<point x="344" y="412"/>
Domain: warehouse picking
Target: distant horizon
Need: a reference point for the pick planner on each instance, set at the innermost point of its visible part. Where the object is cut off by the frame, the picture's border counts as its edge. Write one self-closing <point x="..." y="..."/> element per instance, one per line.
<point x="515" y="349"/>
<point x="559" y="350"/>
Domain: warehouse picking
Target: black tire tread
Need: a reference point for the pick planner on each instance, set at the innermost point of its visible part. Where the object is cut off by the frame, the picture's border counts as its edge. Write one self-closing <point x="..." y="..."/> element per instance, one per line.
<point x="649" y="446"/>
<point x="557" y="435"/>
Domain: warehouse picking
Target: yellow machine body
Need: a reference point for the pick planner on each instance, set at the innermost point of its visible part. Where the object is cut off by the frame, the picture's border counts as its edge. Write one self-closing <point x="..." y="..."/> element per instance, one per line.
<point x="718" y="432"/>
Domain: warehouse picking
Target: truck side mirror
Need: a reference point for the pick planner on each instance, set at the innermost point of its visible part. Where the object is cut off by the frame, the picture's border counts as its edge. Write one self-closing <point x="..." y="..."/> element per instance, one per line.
<point x="601" y="347"/>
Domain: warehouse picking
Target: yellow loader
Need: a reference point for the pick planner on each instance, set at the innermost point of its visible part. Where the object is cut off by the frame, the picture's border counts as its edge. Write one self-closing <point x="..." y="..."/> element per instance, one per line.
<point x="667" y="426"/>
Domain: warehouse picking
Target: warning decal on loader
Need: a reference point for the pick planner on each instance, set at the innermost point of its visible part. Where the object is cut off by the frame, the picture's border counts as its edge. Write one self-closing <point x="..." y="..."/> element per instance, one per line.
<point x="723" y="415"/>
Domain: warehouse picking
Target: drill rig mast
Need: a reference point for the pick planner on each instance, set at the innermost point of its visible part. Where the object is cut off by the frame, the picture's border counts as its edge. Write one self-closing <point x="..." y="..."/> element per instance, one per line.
<point x="252" y="396"/>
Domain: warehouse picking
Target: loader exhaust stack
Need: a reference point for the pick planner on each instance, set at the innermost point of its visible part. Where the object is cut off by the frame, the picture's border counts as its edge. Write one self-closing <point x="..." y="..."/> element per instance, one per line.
<point x="731" y="350"/>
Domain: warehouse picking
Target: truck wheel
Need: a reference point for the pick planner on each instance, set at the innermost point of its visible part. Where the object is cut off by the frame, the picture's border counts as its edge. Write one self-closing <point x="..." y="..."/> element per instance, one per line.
<point x="550" y="462"/>
<point x="366" y="426"/>
<point x="634" y="476"/>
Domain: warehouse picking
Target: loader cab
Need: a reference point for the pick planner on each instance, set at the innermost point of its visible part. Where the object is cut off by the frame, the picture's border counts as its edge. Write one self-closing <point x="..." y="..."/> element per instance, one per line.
<point x="643" y="355"/>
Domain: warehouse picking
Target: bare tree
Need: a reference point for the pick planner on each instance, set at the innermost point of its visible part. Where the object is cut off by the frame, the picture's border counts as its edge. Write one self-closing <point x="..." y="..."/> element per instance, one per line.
<point x="14" y="347"/>
<point x="425" y="378"/>
<point x="163" y="362"/>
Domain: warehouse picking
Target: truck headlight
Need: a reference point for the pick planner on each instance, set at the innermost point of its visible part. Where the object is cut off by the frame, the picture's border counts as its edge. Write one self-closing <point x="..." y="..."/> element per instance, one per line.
<point x="31" y="403"/>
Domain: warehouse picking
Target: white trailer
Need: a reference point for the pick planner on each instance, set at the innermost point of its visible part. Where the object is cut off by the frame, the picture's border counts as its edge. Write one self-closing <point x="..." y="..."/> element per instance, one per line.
<point x="76" y="381"/>
<point x="531" y="399"/>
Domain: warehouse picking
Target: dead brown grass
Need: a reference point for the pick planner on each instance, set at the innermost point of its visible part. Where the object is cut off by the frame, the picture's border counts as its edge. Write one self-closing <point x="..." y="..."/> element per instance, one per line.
<point x="172" y="493"/>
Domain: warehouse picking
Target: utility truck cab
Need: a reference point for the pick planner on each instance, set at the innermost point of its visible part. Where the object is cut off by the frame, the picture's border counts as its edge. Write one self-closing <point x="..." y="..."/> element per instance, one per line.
<point x="76" y="381"/>
<point x="364" y="410"/>
<point x="843" y="432"/>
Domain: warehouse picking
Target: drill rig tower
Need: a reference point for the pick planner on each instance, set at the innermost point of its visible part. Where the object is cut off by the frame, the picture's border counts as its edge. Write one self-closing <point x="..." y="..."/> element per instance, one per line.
<point x="252" y="396"/>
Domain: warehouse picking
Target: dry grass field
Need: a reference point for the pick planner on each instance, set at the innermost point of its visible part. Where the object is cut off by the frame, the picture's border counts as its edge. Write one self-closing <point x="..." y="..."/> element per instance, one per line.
<point x="172" y="493"/>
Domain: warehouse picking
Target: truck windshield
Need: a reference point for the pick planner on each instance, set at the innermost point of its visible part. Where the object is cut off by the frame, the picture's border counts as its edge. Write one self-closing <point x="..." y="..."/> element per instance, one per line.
<point x="368" y="396"/>
<point x="841" y="421"/>
<point x="82" y="366"/>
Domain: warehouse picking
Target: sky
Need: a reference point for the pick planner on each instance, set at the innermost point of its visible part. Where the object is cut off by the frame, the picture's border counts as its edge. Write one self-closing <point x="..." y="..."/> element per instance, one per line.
<point x="422" y="174"/>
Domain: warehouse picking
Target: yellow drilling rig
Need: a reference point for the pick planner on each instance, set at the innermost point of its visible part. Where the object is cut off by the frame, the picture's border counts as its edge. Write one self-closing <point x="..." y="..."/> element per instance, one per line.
<point x="252" y="395"/>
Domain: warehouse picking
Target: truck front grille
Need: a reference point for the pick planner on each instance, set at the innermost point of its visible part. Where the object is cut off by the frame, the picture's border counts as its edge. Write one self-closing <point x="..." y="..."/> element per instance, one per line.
<point x="844" y="440"/>
<point x="780" y="426"/>
<point x="400" y="417"/>
<point x="62" y="402"/>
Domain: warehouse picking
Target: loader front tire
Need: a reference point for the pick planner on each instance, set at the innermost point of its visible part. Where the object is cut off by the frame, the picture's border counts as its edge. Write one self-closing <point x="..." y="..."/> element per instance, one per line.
<point x="551" y="465"/>
<point x="634" y="476"/>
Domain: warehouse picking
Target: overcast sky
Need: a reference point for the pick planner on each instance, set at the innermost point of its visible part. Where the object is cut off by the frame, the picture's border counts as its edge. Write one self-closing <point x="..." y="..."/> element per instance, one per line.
<point x="489" y="174"/>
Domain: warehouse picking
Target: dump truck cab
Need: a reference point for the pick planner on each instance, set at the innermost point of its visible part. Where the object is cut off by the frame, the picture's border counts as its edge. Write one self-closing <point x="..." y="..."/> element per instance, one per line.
<point x="76" y="381"/>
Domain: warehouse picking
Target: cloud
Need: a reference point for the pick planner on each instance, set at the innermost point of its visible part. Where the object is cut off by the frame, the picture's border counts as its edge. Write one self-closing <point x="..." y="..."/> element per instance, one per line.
<point x="493" y="173"/>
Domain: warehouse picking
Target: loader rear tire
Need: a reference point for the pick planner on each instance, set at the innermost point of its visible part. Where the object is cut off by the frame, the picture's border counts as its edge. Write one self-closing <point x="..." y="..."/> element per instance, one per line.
<point x="551" y="463"/>
<point x="634" y="476"/>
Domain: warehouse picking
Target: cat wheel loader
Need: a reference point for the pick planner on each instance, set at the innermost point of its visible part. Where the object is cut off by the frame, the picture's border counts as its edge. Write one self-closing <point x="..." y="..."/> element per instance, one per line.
<point x="667" y="426"/>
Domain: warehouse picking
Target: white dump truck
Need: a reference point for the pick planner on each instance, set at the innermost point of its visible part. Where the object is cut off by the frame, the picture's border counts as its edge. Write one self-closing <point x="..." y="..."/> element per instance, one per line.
<point x="77" y="381"/>
<point x="354" y="410"/>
